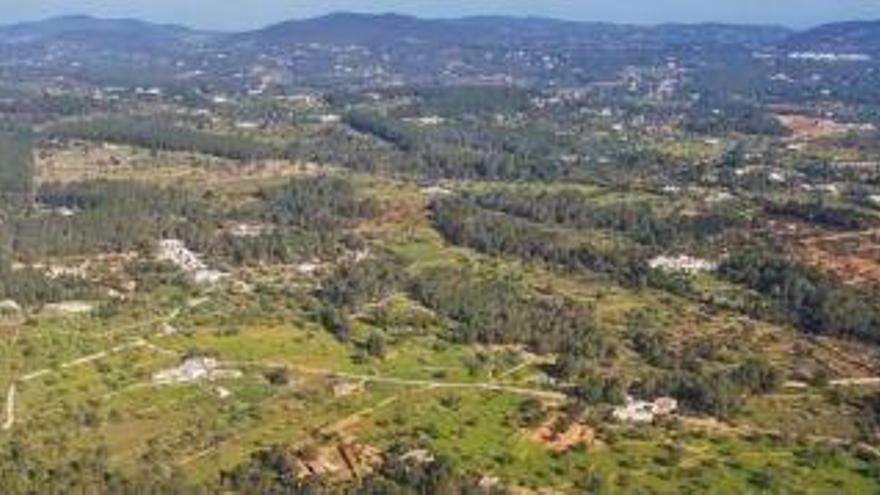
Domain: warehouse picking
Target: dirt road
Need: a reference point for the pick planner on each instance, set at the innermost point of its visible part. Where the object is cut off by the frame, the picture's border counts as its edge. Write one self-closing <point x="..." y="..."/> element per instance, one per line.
<point x="88" y="359"/>
<point x="870" y="381"/>
<point x="10" y="408"/>
<point x="407" y="382"/>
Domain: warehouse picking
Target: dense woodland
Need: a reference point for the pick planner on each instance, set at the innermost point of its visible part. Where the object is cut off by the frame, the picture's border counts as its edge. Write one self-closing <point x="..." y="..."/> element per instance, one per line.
<point x="723" y="117"/>
<point x="494" y="309"/>
<point x="109" y="216"/>
<point x="306" y="217"/>
<point x="463" y="151"/>
<point x="815" y="302"/>
<point x="821" y="213"/>
<point x="353" y="283"/>
<point x="34" y="288"/>
<point x="16" y="167"/>
<point x="160" y="133"/>
<point x="120" y="216"/>
<point x="719" y="393"/>
<point x="323" y="203"/>
<point x="481" y="308"/>
<point x="648" y="222"/>
<point x="496" y="233"/>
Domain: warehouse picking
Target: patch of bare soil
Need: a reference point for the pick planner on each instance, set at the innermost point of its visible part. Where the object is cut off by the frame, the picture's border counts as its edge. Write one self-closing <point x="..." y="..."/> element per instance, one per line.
<point x="403" y="212"/>
<point x="852" y="256"/>
<point x="560" y="435"/>
<point x="806" y="127"/>
<point x="344" y="461"/>
<point x="852" y="269"/>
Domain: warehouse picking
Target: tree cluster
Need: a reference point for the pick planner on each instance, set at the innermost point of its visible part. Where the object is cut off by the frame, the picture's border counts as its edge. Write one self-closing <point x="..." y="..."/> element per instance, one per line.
<point x="497" y="233"/>
<point x="806" y="298"/>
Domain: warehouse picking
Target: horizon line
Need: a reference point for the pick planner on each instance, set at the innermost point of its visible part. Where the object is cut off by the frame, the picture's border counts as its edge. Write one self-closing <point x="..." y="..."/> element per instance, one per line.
<point x="146" y="20"/>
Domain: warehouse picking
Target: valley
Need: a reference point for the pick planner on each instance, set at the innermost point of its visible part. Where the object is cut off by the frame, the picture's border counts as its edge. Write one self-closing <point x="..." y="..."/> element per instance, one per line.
<point x="311" y="259"/>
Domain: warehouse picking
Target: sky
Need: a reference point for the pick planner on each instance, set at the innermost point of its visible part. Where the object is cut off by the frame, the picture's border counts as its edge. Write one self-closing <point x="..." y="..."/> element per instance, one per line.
<point x="247" y="14"/>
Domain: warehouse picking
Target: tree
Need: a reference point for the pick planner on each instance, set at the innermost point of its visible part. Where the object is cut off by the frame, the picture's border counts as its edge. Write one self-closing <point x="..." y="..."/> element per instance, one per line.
<point x="278" y="376"/>
<point x="376" y="346"/>
<point x="757" y="376"/>
<point x="335" y="322"/>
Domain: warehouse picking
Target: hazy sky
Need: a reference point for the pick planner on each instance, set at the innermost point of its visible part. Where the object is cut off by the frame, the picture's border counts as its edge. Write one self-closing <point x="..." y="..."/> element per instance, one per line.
<point x="238" y="14"/>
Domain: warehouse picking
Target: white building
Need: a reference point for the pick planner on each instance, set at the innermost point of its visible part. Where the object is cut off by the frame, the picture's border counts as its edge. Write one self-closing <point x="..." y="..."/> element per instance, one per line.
<point x="428" y="121"/>
<point x="68" y="308"/>
<point x="175" y="251"/>
<point x="194" y="369"/>
<point x="682" y="264"/>
<point x="249" y="230"/>
<point x="308" y="268"/>
<point x="639" y="411"/>
<point x="435" y="191"/>
<point x="829" y="57"/>
<point x="329" y="118"/>
<point x="208" y="277"/>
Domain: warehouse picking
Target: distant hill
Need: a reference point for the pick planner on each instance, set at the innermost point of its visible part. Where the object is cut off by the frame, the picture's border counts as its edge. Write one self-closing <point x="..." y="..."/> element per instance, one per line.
<point x="393" y="28"/>
<point x="387" y="29"/>
<point x="384" y="29"/>
<point x="852" y="37"/>
<point x="92" y="32"/>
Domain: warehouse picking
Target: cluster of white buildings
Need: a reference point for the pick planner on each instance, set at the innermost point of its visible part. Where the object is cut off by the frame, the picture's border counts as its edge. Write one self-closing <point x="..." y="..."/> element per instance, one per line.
<point x="175" y="251"/>
<point x="830" y="57"/>
<point x="192" y="370"/>
<point x="682" y="264"/>
<point x="639" y="411"/>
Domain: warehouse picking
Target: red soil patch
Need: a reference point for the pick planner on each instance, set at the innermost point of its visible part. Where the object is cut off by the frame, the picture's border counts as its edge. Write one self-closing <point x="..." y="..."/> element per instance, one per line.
<point x="560" y="437"/>
<point x="803" y="126"/>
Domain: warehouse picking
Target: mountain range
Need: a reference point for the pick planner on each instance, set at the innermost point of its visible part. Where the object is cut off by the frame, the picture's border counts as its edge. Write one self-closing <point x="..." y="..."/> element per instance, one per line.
<point x="389" y="29"/>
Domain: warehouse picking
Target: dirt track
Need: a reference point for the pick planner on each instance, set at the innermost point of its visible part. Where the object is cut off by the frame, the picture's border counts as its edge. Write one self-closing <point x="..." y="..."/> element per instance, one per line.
<point x="488" y="386"/>
<point x="10" y="408"/>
